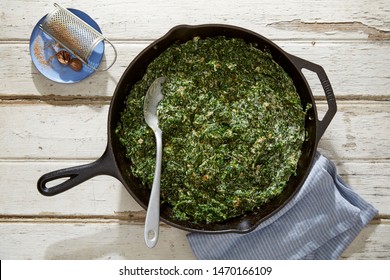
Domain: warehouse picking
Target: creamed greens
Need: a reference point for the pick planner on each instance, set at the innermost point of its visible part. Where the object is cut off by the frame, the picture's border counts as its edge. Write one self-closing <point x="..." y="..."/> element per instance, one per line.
<point x="233" y="127"/>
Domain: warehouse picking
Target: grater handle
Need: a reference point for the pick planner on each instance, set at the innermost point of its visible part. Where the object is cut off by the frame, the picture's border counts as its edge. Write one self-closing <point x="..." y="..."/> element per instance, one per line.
<point x="115" y="57"/>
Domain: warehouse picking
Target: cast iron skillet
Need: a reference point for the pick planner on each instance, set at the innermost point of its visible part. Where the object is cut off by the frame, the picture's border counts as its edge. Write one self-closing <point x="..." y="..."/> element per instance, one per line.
<point x="113" y="161"/>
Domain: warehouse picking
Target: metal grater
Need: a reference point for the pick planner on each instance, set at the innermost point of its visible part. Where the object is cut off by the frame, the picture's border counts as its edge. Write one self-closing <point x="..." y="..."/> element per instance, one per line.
<point x="74" y="34"/>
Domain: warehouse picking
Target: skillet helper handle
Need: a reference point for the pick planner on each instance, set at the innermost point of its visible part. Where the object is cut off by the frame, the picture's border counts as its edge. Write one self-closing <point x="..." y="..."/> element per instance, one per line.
<point x="75" y="175"/>
<point x="330" y="98"/>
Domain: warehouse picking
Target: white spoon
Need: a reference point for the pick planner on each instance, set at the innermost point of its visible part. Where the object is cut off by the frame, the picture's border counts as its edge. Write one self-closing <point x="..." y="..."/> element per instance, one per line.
<point x="152" y="222"/>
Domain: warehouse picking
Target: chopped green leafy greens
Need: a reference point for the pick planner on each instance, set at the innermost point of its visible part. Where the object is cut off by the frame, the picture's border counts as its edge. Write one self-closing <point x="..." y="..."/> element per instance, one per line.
<point x="233" y="128"/>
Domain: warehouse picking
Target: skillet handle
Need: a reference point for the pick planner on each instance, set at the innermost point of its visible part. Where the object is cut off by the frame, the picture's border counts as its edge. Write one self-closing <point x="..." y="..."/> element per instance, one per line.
<point x="77" y="175"/>
<point x="330" y="98"/>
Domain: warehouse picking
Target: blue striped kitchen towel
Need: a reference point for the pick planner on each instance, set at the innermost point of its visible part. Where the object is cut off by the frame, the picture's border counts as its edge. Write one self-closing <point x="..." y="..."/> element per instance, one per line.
<point x="318" y="223"/>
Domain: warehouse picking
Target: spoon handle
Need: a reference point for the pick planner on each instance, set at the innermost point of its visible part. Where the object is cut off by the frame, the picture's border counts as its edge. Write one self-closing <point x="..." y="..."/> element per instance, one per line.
<point x="152" y="221"/>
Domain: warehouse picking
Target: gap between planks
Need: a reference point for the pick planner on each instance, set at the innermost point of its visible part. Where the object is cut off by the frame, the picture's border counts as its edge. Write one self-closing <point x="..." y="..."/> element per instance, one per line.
<point x="55" y="100"/>
<point x="280" y="25"/>
<point x="134" y="217"/>
<point x="85" y="160"/>
<point x="105" y="100"/>
<point x="329" y="28"/>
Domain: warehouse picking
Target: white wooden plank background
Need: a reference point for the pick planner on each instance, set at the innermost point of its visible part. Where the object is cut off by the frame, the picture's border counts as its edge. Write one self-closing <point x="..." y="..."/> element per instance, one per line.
<point x="46" y="126"/>
<point x="340" y="59"/>
<point x="129" y="20"/>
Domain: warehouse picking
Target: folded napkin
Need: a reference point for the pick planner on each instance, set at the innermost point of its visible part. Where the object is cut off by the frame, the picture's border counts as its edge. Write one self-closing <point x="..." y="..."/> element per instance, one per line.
<point x="318" y="223"/>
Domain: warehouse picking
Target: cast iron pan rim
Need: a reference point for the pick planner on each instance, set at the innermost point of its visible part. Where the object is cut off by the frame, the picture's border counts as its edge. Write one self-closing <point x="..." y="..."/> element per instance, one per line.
<point x="189" y="28"/>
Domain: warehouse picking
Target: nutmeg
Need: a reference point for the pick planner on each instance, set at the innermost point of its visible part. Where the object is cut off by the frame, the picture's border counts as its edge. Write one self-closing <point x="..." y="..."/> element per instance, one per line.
<point x="63" y="57"/>
<point x="76" y="64"/>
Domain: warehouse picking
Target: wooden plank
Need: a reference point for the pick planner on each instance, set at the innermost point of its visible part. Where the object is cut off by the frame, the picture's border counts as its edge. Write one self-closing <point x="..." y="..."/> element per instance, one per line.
<point x="105" y="196"/>
<point x="20" y="77"/>
<point x="360" y="129"/>
<point x="370" y="179"/>
<point x="364" y="69"/>
<point x="80" y="241"/>
<point x="372" y="243"/>
<point x="99" y="196"/>
<point x="150" y="19"/>
<point x="110" y="240"/>
<point x="49" y="131"/>
<point x="356" y="70"/>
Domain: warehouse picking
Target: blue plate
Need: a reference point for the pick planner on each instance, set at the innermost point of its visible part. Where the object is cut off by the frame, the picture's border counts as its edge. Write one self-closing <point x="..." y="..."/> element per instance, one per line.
<point x="43" y="49"/>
